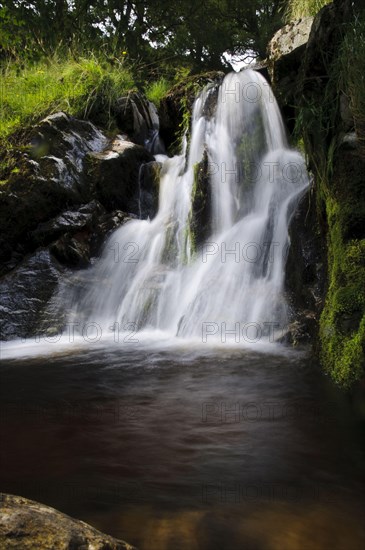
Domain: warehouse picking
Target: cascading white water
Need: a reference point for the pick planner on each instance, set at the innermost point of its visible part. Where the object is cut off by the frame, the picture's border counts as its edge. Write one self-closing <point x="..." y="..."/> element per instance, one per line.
<point x="150" y="273"/>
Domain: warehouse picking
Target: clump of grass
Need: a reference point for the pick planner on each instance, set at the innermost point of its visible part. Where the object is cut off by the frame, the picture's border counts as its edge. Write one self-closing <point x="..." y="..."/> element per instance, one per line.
<point x="297" y="9"/>
<point x="83" y="87"/>
<point x="156" y="90"/>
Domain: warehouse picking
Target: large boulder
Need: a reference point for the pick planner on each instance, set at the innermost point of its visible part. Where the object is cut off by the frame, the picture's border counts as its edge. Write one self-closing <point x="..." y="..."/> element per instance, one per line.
<point x="25" y="524"/>
<point x="290" y="40"/>
<point x="49" y="179"/>
<point x="285" y="53"/>
<point x="116" y="175"/>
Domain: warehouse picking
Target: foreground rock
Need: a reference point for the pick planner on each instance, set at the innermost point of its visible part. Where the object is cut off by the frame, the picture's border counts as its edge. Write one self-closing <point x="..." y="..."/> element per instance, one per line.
<point x="25" y="524"/>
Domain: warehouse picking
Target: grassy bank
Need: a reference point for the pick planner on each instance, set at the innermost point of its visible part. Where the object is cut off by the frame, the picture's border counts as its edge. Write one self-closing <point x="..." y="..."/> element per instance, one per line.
<point x="87" y="87"/>
<point x="297" y="9"/>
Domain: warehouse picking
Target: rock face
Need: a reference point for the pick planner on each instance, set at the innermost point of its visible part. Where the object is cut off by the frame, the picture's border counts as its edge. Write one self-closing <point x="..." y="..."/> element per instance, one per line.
<point x="25" y="524"/>
<point x="71" y="188"/>
<point x="325" y="275"/>
<point x="305" y="273"/>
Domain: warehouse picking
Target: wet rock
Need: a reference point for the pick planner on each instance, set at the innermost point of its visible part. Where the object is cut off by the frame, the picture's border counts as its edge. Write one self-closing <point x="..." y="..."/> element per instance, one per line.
<point x="301" y="330"/>
<point x="25" y="524"/>
<point x="305" y="271"/>
<point x="74" y="238"/>
<point x="73" y="250"/>
<point x="178" y="103"/>
<point x="115" y="173"/>
<point x="105" y="225"/>
<point x="136" y="116"/>
<point x="70" y="189"/>
<point x="48" y="180"/>
<point x="76" y="247"/>
<point x="25" y="292"/>
<point x="67" y="137"/>
<point x="149" y="179"/>
<point x="200" y="215"/>
<point x="70" y="220"/>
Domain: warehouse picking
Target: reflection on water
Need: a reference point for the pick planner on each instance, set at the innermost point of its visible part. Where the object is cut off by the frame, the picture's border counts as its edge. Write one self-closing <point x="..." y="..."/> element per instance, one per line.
<point x="172" y="450"/>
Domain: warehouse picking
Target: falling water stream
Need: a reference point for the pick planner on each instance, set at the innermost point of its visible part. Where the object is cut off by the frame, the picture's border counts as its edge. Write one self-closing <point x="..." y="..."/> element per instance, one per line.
<point x="172" y="436"/>
<point x="152" y="273"/>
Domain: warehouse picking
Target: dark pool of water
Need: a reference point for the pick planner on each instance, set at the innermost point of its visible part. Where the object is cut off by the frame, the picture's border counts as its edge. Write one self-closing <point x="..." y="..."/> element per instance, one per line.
<point x="169" y="450"/>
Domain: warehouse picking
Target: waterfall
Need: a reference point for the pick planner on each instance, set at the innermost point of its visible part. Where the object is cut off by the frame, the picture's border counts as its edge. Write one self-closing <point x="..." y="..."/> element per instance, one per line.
<point x="160" y="274"/>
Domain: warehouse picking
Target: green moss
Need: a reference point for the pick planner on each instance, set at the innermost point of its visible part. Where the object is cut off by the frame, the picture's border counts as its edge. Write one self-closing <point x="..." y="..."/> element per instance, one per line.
<point x="191" y="239"/>
<point x="342" y="356"/>
<point x="342" y="323"/>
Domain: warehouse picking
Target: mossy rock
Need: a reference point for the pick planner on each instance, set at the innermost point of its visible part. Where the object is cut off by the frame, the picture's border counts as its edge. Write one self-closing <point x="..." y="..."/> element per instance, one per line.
<point x="176" y="107"/>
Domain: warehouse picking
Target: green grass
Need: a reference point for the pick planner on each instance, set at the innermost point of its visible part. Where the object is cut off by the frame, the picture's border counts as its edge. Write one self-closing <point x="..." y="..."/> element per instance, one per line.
<point x="156" y="90"/>
<point x="83" y="87"/>
<point x="297" y="9"/>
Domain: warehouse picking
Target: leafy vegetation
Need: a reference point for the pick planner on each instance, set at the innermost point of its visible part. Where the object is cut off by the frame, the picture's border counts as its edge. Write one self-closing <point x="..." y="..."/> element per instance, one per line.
<point x="155" y="34"/>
